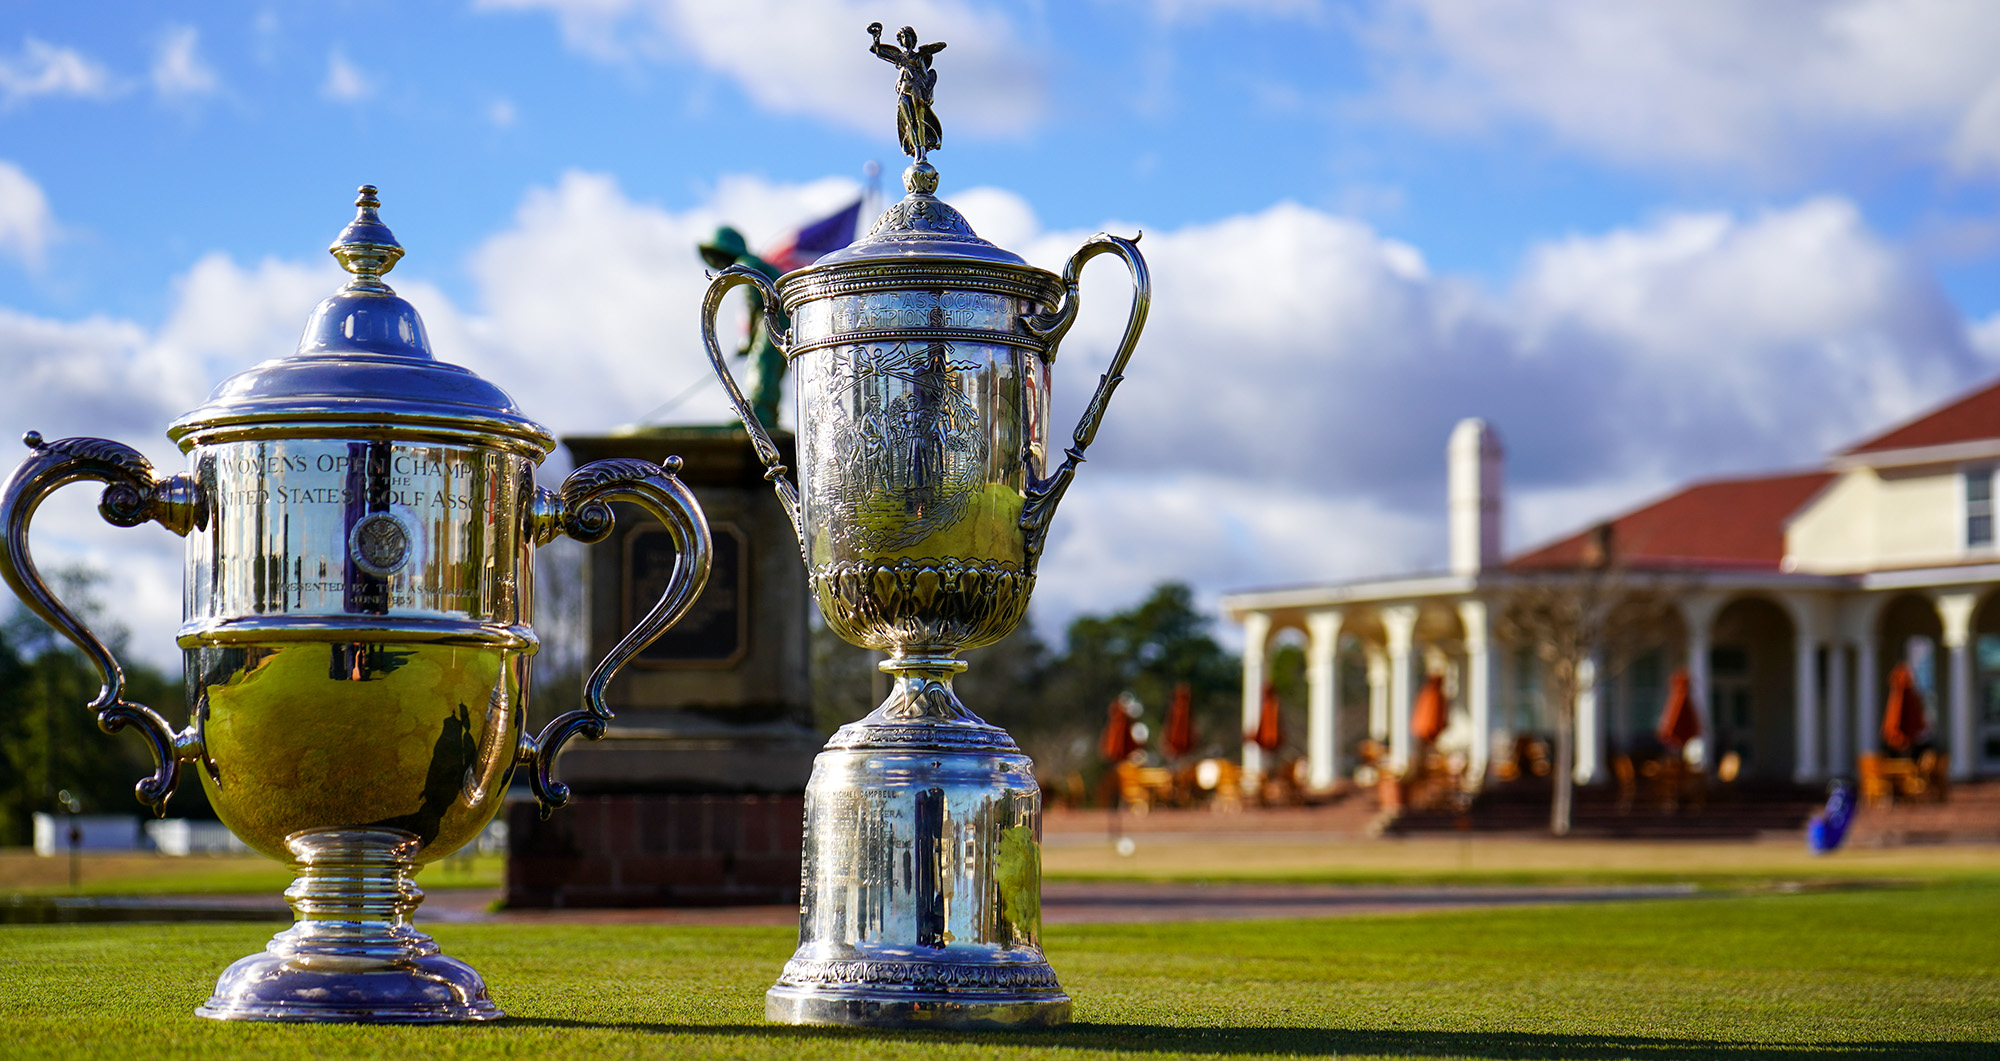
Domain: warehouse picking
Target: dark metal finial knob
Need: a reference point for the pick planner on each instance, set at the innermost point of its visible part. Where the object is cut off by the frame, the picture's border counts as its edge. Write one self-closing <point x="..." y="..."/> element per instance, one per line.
<point x="366" y="247"/>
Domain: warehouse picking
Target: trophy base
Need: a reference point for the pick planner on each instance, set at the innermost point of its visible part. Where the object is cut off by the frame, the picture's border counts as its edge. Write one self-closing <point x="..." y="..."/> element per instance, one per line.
<point x="428" y="990"/>
<point x="902" y="1009"/>
<point x="352" y="957"/>
<point x="921" y="897"/>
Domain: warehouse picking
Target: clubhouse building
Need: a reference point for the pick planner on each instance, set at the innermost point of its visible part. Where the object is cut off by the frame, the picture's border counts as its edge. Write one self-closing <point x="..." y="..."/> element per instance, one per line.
<point x="1788" y="599"/>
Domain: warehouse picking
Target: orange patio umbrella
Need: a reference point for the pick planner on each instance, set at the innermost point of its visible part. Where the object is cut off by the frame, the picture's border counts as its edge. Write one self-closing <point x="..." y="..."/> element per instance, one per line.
<point x="1903" y="719"/>
<point x="1680" y="722"/>
<point x="1117" y="742"/>
<point x="1178" y="739"/>
<point x="1427" y="720"/>
<point x="1267" y="735"/>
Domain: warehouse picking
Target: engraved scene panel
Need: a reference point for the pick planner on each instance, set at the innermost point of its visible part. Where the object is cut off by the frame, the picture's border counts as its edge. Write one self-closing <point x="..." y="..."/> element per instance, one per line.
<point x="330" y="527"/>
<point x="914" y="449"/>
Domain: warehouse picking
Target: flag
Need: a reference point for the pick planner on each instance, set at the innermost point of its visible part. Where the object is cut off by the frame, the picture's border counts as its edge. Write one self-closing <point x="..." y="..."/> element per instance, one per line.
<point x="1178" y="738"/>
<point x="1427" y="720"/>
<point x="1268" y="735"/>
<point x="822" y="237"/>
<point x="1903" y="719"/>
<point x="1680" y="722"/>
<point x="1116" y="743"/>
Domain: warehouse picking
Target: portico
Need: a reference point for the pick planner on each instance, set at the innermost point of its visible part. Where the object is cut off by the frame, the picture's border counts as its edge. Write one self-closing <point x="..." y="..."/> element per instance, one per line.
<point x="1792" y="598"/>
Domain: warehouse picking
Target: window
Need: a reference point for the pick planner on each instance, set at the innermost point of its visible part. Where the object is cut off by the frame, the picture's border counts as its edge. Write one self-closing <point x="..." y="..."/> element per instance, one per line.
<point x="1979" y="508"/>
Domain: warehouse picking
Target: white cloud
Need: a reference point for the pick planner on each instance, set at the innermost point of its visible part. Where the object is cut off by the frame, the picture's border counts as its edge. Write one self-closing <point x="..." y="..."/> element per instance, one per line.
<point x="178" y="69"/>
<point x="811" y="56"/>
<point x="502" y="114"/>
<point x="42" y="69"/>
<point x="27" y="224"/>
<point x="345" y="82"/>
<point x="1760" y="87"/>
<point x="1283" y="420"/>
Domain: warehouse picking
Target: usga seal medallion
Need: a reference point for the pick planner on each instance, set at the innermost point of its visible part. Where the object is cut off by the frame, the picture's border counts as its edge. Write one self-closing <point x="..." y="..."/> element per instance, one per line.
<point x="379" y="544"/>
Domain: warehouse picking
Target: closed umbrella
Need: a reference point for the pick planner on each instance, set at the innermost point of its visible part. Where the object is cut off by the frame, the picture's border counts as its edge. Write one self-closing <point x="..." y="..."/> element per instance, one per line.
<point x="1680" y="722"/>
<point x="1428" y="719"/>
<point x="1178" y="739"/>
<point x="1117" y="742"/>
<point x="1267" y="735"/>
<point x="1903" y="719"/>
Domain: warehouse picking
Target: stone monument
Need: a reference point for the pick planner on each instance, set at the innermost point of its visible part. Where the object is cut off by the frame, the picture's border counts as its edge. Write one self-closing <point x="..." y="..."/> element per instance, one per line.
<point x="694" y="795"/>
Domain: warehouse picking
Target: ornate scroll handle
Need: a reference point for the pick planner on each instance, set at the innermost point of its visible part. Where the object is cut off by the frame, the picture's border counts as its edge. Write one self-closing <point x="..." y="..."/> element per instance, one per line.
<point x="1045" y="494"/>
<point x="581" y="512"/>
<point x="774" y="462"/>
<point x="131" y="497"/>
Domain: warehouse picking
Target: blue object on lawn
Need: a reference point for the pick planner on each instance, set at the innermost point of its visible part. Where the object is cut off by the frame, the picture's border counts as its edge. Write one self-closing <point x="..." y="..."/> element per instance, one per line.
<point x="1829" y="827"/>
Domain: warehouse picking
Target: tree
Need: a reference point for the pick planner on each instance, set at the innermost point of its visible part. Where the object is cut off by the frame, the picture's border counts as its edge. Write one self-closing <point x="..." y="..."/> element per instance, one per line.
<point x="48" y="742"/>
<point x="1148" y="649"/>
<point x="1583" y="624"/>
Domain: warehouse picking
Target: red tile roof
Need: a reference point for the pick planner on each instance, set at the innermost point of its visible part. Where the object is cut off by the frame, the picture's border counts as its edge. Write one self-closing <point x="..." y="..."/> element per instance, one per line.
<point x="1731" y="523"/>
<point x="1973" y="417"/>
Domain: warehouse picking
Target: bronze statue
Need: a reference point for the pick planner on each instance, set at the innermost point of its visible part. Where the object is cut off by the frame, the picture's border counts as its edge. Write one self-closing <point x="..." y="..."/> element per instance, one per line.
<point x="916" y="123"/>
<point x="724" y="249"/>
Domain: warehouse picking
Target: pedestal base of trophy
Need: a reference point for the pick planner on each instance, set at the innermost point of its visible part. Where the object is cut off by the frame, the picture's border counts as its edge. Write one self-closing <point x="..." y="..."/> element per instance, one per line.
<point x="352" y="957"/>
<point x="922" y="882"/>
<point x="878" y="1007"/>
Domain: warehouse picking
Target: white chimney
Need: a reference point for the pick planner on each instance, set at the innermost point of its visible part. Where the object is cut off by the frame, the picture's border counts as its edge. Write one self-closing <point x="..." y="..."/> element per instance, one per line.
<point x="1474" y="461"/>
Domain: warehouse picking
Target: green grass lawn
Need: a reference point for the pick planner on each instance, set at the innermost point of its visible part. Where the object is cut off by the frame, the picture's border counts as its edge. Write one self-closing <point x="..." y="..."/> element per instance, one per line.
<point x="1507" y="860"/>
<point x="1906" y="972"/>
<point x="22" y="872"/>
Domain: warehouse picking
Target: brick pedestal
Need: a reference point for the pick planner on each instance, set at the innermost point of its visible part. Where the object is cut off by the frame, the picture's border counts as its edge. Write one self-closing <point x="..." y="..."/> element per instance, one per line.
<point x="657" y="850"/>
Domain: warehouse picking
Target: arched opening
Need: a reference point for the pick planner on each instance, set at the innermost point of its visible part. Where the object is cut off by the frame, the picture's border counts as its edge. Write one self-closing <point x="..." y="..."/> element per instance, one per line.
<point x="1909" y="631"/>
<point x="1986" y="684"/>
<point x="1637" y="691"/>
<point x="1750" y="690"/>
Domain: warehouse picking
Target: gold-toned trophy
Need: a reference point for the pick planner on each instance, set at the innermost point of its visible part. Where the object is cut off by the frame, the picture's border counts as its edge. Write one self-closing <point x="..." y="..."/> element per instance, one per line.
<point x="361" y="521"/>
<point x="922" y="355"/>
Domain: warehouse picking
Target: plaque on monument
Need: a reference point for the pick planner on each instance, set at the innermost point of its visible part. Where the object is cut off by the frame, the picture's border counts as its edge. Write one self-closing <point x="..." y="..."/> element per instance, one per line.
<point x="716" y="631"/>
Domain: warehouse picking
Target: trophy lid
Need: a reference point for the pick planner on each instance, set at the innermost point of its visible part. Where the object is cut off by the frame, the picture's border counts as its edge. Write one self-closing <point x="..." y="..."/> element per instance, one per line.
<point x="364" y="362"/>
<point x="921" y="225"/>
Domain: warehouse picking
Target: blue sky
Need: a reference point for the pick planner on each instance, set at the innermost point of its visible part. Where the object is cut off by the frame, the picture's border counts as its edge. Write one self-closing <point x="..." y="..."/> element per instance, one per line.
<point x="1648" y="241"/>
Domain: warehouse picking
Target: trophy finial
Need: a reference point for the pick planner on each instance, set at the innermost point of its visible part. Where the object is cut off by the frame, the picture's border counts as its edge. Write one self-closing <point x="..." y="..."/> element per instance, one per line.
<point x="917" y="127"/>
<point x="366" y="247"/>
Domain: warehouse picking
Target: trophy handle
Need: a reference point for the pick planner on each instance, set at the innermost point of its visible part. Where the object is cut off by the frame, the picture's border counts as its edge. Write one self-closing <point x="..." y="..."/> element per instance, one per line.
<point x="582" y="513"/>
<point x="1045" y="494"/>
<point x="774" y="462"/>
<point x="131" y="497"/>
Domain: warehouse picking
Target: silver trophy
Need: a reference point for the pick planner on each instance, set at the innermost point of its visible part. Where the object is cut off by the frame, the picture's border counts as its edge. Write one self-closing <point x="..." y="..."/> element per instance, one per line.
<point x="361" y="521"/>
<point x="922" y="355"/>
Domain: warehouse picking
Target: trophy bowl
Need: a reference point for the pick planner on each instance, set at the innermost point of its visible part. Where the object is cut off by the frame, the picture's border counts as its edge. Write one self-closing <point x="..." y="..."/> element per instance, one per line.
<point x="361" y="521"/>
<point x="922" y="355"/>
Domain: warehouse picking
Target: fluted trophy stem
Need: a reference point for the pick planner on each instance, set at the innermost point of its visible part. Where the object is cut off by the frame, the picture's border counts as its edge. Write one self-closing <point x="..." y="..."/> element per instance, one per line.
<point x="352" y="955"/>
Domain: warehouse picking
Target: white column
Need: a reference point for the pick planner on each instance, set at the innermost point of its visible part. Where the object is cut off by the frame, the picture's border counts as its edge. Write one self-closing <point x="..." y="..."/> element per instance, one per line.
<point x="1589" y="708"/>
<point x="1698" y="614"/>
<point x="1867" y="695"/>
<point x="1479" y="665"/>
<point x="1805" y="690"/>
<point x="1400" y="623"/>
<point x="1322" y="696"/>
<point x="1839" y="758"/>
<point x="1378" y="695"/>
<point x="1256" y="631"/>
<point x="1956" y="611"/>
